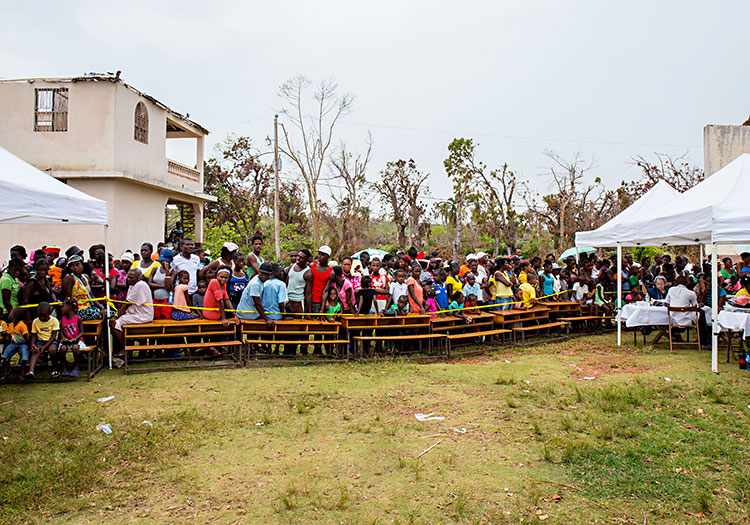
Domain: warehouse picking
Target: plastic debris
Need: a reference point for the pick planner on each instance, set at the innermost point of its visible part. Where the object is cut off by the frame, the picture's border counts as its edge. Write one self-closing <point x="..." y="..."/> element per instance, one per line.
<point x="105" y="399"/>
<point x="104" y="427"/>
<point x="667" y="379"/>
<point x="590" y="378"/>
<point x="427" y="417"/>
<point x="462" y="430"/>
<point x="5" y="438"/>
<point x="259" y="424"/>
<point x="147" y="423"/>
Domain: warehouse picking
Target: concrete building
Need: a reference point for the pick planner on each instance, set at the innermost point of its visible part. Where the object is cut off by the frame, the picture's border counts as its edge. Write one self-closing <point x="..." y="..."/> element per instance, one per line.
<point x="723" y="144"/>
<point x="109" y="140"/>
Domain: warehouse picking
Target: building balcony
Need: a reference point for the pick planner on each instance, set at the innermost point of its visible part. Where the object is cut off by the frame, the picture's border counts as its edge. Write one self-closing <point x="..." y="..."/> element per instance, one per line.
<point x="185" y="172"/>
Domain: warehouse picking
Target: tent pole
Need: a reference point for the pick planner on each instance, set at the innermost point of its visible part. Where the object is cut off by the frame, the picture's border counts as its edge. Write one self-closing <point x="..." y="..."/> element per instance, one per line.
<point x="619" y="294"/>
<point x="106" y="292"/>
<point x="714" y="309"/>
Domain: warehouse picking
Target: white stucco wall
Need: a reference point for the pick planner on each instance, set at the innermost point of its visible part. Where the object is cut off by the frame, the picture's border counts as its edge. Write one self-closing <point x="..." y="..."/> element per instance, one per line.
<point x="723" y="144"/>
<point x="88" y="145"/>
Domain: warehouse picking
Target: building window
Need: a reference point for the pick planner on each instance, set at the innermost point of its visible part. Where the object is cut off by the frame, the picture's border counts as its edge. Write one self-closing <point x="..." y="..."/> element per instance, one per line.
<point x="141" y="123"/>
<point x="51" y="109"/>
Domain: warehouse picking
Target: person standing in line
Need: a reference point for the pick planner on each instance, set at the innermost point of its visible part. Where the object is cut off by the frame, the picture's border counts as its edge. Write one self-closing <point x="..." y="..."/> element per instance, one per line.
<point x="187" y="260"/>
<point x="254" y="260"/>
<point x="299" y="284"/>
<point x="321" y="273"/>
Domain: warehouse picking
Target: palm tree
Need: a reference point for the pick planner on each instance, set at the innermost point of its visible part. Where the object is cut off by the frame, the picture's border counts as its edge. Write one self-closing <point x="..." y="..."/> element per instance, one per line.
<point x="447" y="211"/>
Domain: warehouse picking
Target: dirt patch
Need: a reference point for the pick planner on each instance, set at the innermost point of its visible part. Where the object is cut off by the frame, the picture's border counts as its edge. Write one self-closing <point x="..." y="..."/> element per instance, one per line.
<point x="598" y="366"/>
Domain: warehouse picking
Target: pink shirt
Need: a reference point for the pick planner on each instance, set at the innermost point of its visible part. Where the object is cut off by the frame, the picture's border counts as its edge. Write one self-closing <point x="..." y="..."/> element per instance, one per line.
<point x="431" y="307"/>
<point x="179" y="298"/>
<point x="342" y="293"/>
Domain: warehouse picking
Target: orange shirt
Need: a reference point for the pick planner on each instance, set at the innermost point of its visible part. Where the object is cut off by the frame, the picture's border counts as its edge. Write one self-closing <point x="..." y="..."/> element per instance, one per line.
<point x="55" y="275"/>
<point x="464" y="269"/>
<point x="415" y="306"/>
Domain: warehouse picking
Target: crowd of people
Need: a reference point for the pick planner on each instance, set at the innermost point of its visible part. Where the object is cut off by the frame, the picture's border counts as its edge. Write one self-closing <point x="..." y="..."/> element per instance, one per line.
<point x="46" y="296"/>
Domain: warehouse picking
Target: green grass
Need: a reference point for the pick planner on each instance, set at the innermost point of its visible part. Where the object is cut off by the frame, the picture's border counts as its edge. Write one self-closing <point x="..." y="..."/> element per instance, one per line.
<point x="339" y="443"/>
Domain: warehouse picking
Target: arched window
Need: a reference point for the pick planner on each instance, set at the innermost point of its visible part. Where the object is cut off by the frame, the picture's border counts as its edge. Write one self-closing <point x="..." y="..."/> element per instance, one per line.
<point x="141" y="123"/>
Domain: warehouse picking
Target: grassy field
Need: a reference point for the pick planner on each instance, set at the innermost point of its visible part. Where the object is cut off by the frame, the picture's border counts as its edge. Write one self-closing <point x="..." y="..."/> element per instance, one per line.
<point x="569" y="432"/>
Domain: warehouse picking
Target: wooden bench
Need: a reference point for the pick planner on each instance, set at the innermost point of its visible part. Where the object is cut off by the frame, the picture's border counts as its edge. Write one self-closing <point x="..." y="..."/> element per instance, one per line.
<point x="93" y="336"/>
<point x="419" y="338"/>
<point x="523" y="330"/>
<point x="510" y="317"/>
<point x="450" y="324"/>
<point x="294" y="332"/>
<point x="410" y="325"/>
<point x="210" y="333"/>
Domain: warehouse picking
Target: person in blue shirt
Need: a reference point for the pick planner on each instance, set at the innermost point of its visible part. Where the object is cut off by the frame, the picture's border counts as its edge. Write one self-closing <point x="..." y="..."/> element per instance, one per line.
<point x="441" y="290"/>
<point x="472" y="286"/>
<point x="546" y="280"/>
<point x="250" y="305"/>
<point x="657" y="292"/>
<point x="274" y="296"/>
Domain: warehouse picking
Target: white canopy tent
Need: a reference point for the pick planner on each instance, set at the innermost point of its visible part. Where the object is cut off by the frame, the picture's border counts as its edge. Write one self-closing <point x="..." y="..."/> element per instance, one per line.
<point x="34" y="197"/>
<point x="609" y="233"/>
<point x="712" y="212"/>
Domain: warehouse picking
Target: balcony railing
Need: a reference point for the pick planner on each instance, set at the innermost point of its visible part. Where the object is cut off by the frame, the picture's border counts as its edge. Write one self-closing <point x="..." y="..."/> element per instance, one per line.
<point x="180" y="170"/>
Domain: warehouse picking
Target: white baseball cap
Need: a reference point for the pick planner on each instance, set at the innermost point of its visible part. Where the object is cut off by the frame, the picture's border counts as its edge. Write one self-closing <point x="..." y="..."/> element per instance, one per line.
<point x="471" y="256"/>
<point x="231" y="246"/>
<point x="325" y="249"/>
<point x="481" y="254"/>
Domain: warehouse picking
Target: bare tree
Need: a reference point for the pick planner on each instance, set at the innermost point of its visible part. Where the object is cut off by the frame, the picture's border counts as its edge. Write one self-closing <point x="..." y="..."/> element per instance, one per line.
<point x="573" y="205"/>
<point x="676" y="171"/>
<point x="350" y="170"/>
<point x="401" y="187"/>
<point x="316" y="131"/>
<point x="461" y="169"/>
<point x="494" y="209"/>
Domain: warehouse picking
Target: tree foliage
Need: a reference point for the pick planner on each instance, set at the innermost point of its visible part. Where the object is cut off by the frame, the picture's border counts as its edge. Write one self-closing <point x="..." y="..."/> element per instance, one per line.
<point x="402" y="188"/>
<point x="241" y="182"/>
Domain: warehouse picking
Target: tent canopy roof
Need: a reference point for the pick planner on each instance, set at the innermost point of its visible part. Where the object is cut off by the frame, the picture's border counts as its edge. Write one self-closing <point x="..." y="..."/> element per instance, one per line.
<point x="35" y="197"/>
<point x="607" y="234"/>
<point x="715" y="210"/>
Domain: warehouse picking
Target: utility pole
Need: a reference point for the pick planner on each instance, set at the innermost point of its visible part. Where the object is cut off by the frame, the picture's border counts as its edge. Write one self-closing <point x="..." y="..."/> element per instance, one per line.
<point x="276" y="191"/>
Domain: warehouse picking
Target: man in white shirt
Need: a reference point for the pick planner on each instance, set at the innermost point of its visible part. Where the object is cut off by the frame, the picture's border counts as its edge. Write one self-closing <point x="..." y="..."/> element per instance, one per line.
<point x="680" y="296"/>
<point x="188" y="261"/>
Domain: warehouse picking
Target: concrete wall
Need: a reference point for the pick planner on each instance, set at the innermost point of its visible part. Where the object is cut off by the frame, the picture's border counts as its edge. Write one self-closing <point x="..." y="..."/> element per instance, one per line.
<point x="723" y="144"/>
<point x="88" y="145"/>
<point x="133" y="157"/>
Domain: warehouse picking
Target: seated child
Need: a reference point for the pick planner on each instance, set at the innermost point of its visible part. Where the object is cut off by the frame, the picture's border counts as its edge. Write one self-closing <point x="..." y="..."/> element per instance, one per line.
<point x="71" y="333"/>
<point x="333" y="313"/>
<point x="16" y="340"/>
<point x="471" y="304"/>
<point x="456" y="307"/>
<point x="400" y="307"/>
<point x="198" y="297"/>
<point x="181" y="300"/>
<point x="44" y="331"/>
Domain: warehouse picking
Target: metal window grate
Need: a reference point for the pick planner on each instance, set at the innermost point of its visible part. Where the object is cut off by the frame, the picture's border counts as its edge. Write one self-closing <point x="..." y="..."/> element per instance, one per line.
<point x="51" y="109"/>
<point x="141" y="123"/>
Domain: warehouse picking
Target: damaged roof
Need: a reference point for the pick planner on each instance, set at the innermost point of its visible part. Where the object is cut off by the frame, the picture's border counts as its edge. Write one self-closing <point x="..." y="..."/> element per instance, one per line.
<point x="114" y="78"/>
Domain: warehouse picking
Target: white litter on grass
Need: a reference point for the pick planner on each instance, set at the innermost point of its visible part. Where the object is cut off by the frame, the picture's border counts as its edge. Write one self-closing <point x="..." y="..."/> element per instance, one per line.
<point x="589" y="378"/>
<point x="259" y="424"/>
<point x="427" y="417"/>
<point x="507" y="361"/>
<point x="5" y="438"/>
<point x="105" y="399"/>
<point x="147" y="423"/>
<point x="667" y="379"/>
<point x="528" y="382"/>
<point x="104" y="427"/>
<point x="462" y="430"/>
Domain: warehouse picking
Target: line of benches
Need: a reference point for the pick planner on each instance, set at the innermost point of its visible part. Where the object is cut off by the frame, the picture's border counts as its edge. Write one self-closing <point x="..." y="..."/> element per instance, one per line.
<point x="164" y="343"/>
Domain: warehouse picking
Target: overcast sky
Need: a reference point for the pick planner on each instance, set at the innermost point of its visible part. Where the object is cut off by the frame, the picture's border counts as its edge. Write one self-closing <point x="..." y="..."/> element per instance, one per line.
<point x="611" y="81"/>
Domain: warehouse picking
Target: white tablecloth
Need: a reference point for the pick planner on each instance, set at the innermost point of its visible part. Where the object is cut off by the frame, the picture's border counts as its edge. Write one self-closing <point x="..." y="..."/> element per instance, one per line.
<point x="735" y="321"/>
<point x="643" y="315"/>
